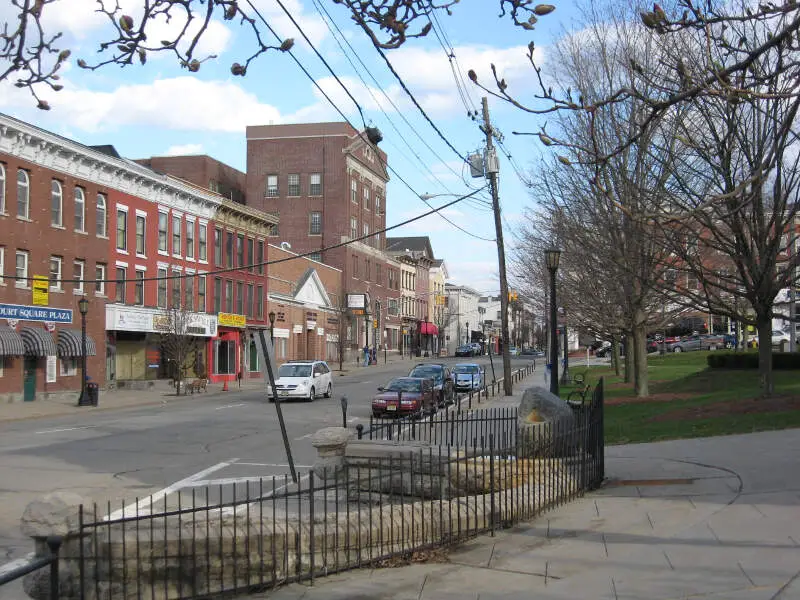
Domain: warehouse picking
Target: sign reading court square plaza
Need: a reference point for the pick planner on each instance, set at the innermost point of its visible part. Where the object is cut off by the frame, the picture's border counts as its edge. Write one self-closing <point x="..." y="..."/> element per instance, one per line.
<point x="21" y="312"/>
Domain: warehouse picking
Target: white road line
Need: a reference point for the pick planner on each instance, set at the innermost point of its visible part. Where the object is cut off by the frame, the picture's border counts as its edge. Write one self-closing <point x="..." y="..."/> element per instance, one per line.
<point x="253" y="464"/>
<point x="138" y="508"/>
<point x="231" y="510"/>
<point x="234" y="480"/>
<point x="229" y="406"/>
<point x="303" y="437"/>
<point x="76" y="428"/>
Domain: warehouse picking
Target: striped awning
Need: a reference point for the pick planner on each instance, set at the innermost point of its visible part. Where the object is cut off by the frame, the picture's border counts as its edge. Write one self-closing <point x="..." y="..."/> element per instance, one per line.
<point x="37" y="342"/>
<point x="10" y="342"/>
<point x="69" y="344"/>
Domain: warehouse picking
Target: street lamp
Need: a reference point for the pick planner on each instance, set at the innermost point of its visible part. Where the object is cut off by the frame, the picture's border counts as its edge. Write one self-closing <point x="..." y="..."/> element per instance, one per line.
<point x="467" y="325"/>
<point x="565" y="374"/>
<point x="552" y="256"/>
<point x="271" y="326"/>
<point x="366" y="334"/>
<point x="83" y="308"/>
<point x="425" y="330"/>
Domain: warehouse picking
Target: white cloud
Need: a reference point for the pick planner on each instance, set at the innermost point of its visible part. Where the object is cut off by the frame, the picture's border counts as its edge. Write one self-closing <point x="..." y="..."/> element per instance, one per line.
<point x="480" y="275"/>
<point x="313" y="26"/>
<point x="184" y="149"/>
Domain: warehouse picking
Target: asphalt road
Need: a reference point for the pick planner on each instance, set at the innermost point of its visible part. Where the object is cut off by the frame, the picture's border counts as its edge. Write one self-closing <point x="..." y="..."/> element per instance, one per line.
<point x="117" y="457"/>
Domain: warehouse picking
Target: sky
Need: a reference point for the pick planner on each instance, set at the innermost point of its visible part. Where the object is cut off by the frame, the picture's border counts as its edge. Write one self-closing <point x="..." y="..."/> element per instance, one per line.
<point x="161" y="108"/>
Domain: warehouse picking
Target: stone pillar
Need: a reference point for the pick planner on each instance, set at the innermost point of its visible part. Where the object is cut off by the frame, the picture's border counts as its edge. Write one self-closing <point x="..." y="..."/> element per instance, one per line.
<point x="331" y="444"/>
<point x="56" y="514"/>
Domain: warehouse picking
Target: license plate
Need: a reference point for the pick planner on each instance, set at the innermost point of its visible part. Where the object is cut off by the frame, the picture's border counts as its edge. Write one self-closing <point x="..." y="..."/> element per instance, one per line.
<point x="391" y="407"/>
<point x="283" y="393"/>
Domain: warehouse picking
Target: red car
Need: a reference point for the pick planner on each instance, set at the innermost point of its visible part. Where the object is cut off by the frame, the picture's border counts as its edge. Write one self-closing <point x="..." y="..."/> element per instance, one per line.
<point x="404" y="396"/>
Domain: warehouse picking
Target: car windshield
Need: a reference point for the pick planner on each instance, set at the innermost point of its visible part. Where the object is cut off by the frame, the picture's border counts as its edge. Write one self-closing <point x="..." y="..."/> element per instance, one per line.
<point x="466" y="369"/>
<point x="294" y="371"/>
<point x="427" y="372"/>
<point x="403" y="385"/>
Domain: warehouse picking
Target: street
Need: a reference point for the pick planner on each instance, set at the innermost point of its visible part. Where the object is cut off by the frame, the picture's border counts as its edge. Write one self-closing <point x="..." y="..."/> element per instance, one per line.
<point x="125" y="455"/>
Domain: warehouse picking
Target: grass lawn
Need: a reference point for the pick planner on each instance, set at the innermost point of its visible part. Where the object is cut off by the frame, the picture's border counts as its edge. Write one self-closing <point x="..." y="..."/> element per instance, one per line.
<point x="689" y="400"/>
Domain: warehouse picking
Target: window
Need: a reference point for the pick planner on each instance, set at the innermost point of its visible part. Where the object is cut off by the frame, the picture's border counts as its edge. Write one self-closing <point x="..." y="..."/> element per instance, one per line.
<point x="353" y="227"/>
<point x="315" y="184"/>
<point x="367" y="269"/>
<point x="239" y="251"/>
<point x="378" y="275"/>
<point x="55" y="272"/>
<point x="163" y="224"/>
<point x="189" y="239"/>
<point x="239" y="298"/>
<point x="176" y="235"/>
<point x="354" y="190"/>
<point x="293" y="185"/>
<point x="99" y="279"/>
<point x="260" y="302"/>
<point x="218" y="246"/>
<point x="355" y="266"/>
<point x="225" y="357"/>
<point x="161" y="300"/>
<point x="317" y="256"/>
<point x="120" y="285"/>
<point x="202" y="242"/>
<point x="176" y="289"/>
<point x="249" y="302"/>
<point x="272" y="186"/>
<point x="2" y="192"/>
<point x="367" y="240"/>
<point x="68" y="367"/>
<point x="138" y="288"/>
<point x="2" y="262"/>
<point x="228" y="295"/>
<point x="141" y="227"/>
<point x="122" y="229"/>
<point x="366" y="198"/>
<point x="377" y="204"/>
<point x="80" y="210"/>
<point x="23" y="194"/>
<point x="188" y="293"/>
<point x="260" y="255"/>
<point x="229" y="249"/>
<point x="217" y="295"/>
<point x="101" y="225"/>
<point x="78" y="270"/>
<point x="253" y="357"/>
<point x="273" y="230"/>
<point x="56" y="204"/>
<point x="315" y="223"/>
<point x="250" y="247"/>
<point x="201" y="293"/>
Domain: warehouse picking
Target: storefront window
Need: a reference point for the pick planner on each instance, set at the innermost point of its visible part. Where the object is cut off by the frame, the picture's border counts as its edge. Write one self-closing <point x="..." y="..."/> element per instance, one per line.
<point x="253" y="357"/>
<point x="225" y="357"/>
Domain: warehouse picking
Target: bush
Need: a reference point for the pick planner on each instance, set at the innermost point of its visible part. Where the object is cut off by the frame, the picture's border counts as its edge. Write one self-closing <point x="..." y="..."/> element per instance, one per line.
<point x="781" y="361"/>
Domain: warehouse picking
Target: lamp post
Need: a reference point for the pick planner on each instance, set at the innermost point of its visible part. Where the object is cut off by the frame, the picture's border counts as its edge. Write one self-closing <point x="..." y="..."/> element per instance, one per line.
<point x="271" y="326"/>
<point x="467" y="326"/>
<point x="83" y="308"/>
<point x="565" y="373"/>
<point x="425" y="333"/>
<point x="552" y="256"/>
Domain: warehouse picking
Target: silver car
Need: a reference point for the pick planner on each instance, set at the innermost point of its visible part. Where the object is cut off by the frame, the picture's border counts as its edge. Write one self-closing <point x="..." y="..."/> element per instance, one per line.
<point x="467" y="376"/>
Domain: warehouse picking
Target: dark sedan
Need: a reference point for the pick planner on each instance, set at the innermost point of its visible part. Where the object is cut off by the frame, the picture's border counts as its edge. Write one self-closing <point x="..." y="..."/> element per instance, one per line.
<point x="442" y="380"/>
<point x="467" y="350"/>
<point x="404" y="396"/>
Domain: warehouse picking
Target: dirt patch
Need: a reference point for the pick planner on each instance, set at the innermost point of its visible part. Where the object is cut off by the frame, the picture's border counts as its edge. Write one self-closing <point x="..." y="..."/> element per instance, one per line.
<point x="747" y="406"/>
<point x="434" y="555"/>
<point x="665" y="397"/>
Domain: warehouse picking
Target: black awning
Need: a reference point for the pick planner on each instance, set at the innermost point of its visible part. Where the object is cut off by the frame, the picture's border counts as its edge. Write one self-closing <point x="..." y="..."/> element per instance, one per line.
<point x="10" y="342"/>
<point x="37" y="342"/>
<point x="69" y="344"/>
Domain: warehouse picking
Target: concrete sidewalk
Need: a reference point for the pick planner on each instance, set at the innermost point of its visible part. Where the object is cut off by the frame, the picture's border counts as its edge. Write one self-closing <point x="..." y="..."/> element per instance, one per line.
<point x="715" y="518"/>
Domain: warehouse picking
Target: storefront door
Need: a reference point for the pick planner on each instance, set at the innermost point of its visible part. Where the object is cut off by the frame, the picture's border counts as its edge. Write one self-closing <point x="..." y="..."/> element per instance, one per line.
<point x="29" y="378"/>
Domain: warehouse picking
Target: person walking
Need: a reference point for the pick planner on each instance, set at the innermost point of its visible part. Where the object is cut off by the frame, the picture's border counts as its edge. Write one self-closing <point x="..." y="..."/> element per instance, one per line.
<point x="366" y="355"/>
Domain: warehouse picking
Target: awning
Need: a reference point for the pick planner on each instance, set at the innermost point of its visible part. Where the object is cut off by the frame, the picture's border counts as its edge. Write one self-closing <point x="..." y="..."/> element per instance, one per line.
<point x="10" y="342"/>
<point x="37" y="342"/>
<point x="69" y="344"/>
<point x="427" y="328"/>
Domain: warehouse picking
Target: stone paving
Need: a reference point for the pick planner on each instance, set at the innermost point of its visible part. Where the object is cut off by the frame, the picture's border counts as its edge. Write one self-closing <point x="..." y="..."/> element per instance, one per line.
<point x="715" y="518"/>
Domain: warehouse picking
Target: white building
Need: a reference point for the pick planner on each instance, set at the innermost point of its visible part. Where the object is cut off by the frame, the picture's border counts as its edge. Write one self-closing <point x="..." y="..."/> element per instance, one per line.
<point x="462" y="315"/>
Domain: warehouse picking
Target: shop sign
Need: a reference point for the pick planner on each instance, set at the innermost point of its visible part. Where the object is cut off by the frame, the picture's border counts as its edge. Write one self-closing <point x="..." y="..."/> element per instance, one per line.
<point x="297" y="329"/>
<point x="311" y="324"/>
<point x="231" y="320"/>
<point x="356" y="301"/>
<point x="320" y="331"/>
<point x="21" y="312"/>
<point x="41" y="290"/>
<point x="153" y="358"/>
<point x="145" y="320"/>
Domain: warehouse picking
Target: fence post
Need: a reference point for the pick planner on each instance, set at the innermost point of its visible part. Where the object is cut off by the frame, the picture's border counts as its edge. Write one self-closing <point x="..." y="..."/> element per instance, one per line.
<point x="360" y="429"/>
<point x="491" y="483"/>
<point x="54" y="544"/>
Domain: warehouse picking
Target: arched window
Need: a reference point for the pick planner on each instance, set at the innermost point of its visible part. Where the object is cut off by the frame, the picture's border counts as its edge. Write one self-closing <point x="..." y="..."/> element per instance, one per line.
<point x="23" y="194"/>
<point x="101" y="216"/>
<point x="56" y="204"/>
<point x="80" y="210"/>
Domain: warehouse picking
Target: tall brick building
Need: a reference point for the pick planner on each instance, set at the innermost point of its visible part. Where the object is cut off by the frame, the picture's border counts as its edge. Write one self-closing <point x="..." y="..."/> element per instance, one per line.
<point x="327" y="184"/>
<point x="203" y="171"/>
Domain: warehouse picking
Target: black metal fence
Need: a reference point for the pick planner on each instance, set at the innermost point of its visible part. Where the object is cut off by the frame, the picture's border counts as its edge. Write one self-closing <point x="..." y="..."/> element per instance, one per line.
<point x="479" y="471"/>
<point x="46" y="556"/>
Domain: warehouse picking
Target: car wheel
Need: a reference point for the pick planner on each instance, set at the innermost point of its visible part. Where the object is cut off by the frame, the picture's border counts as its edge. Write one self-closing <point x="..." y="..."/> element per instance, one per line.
<point x="677" y="349"/>
<point x="329" y="393"/>
<point x="312" y="394"/>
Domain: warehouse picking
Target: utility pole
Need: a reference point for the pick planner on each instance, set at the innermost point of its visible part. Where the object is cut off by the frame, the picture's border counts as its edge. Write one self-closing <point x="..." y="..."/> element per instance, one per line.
<point x="492" y="169"/>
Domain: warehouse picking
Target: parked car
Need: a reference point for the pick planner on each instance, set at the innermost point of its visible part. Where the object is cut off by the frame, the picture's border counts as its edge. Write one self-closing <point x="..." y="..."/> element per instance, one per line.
<point x="653" y="345"/>
<point x="513" y="351"/>
<point x="779" y="337"/>
<point x="730" y="340"/>
<point x="468" y="376"/>
<point x="442" y="380"/>
<point x="477" y="348"/>
<point x="532" y="352"/>
<point x="305" y="379"/>
<point x="688" y="343"/>
<point x="404" y="396"/>
<point x="713" y="341"/>
<point x="465" y="350"/>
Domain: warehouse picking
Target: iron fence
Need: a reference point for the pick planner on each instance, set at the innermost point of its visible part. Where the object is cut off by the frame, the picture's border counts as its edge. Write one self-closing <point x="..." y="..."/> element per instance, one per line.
<point x="478" y="473"/>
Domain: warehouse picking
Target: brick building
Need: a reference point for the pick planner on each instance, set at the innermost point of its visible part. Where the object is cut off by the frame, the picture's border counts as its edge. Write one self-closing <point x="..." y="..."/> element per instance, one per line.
<point x="327" y="183"/>
<point x="203" y="171"/>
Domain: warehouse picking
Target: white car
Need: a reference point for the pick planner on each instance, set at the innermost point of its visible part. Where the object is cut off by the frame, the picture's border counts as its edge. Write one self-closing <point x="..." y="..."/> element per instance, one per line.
<point x="778" y="337"/>
<point x="306" y="379"/>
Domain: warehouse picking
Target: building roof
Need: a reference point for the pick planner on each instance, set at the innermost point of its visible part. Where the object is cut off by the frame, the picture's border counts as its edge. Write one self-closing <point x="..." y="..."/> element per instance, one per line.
<point x="412" y="244"/>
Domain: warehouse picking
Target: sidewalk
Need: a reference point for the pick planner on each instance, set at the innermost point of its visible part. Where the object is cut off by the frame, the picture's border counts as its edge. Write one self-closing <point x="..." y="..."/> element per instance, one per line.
<point x="714" y="518"/>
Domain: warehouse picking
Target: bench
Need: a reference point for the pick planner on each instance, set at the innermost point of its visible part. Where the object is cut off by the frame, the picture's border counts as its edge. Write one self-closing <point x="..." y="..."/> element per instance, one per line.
<point x="577" y="397"/>
<point x="197" y="385"/>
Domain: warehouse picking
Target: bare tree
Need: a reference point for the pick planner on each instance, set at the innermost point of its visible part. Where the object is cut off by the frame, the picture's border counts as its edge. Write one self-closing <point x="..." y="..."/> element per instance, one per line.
<point x="443" y="319"/>
<point x="178" y="345"/>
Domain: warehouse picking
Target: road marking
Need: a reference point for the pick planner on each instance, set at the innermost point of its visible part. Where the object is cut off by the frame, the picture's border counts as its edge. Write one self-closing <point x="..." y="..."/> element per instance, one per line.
<point x="254" y="464"/>
<point x="237" y="480"/>
<point x="303" y="437"/>
<point x="76" y="428"/>
<point x="138" y="508"/>
<point x="229" y="406"/>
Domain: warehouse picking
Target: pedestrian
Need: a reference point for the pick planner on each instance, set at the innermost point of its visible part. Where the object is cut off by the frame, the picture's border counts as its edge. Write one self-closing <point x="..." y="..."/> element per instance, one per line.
<point x="374" y="356"/>
<point x="366" y="355"/>
<point x="239" y="378"/>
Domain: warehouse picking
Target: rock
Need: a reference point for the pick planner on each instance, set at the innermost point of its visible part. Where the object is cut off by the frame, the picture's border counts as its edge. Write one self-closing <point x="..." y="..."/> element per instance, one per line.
<point x="54" y="514"/>
<point x="546" y="425"/>
<point x="331" y="444"/>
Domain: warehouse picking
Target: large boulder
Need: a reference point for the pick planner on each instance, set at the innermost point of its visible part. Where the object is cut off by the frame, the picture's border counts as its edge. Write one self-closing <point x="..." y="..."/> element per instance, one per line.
<point x="546" y="424"/>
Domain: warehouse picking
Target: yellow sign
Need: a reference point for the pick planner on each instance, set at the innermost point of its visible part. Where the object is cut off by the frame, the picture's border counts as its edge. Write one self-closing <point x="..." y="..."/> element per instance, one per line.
<point x="375" y="323"/>
<point x="41" y="288"/>
<point x="231" y="320"/>
<point x="440" y="300"/>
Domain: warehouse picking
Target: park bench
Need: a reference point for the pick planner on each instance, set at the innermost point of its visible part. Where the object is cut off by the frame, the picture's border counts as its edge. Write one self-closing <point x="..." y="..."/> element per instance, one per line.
<point x="197" y="385"/>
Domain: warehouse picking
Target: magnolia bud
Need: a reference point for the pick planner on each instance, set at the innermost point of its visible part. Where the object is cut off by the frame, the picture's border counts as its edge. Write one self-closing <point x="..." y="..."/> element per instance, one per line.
<point x="63" y="55"/>
<point x="238" y="69"/>
<point x="43" y="105"/>
<point x="194" y="65"/>
<point x="126" y="23"/>
<point x="473" y="76"/>
<point x="543" y="9"/>
<point x="287" y="44"/>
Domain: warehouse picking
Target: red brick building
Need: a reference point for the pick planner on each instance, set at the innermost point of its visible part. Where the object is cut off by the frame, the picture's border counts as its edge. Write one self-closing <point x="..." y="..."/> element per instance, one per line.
<point x="203" y="171"/>
<point x="327" y="184"/>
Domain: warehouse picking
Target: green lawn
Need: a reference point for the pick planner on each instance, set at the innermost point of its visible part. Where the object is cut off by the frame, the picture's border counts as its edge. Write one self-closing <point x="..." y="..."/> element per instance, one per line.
<point x="689" y="400"/>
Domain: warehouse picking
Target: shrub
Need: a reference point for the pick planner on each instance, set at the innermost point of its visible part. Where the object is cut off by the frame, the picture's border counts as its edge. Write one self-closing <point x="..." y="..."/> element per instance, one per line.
<point x="781" y="361"/>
